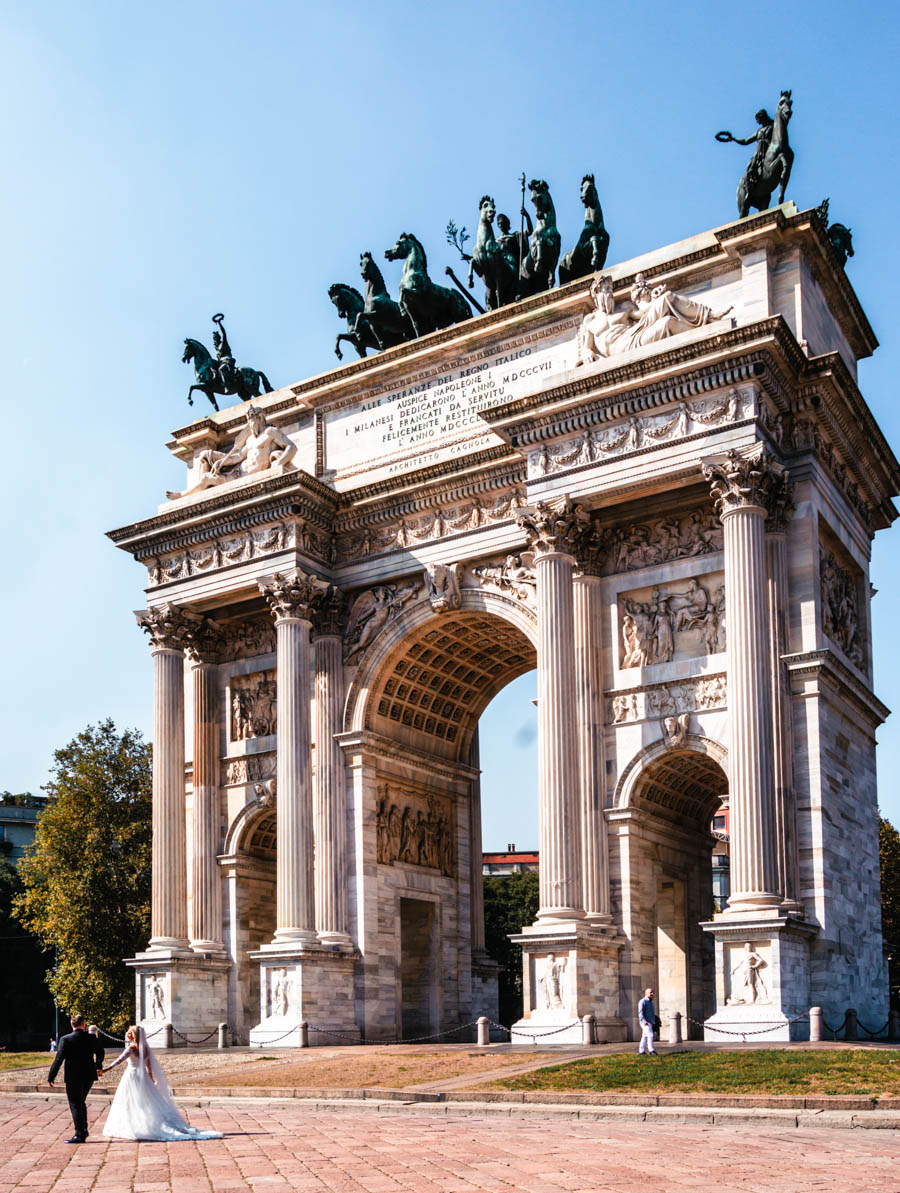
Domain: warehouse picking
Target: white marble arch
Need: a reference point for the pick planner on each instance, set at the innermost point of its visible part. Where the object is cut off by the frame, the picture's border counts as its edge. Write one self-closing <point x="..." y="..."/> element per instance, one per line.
<point x="241" y="825"/>
<point x="641" y="762"/>
<point x="393" y="639"/>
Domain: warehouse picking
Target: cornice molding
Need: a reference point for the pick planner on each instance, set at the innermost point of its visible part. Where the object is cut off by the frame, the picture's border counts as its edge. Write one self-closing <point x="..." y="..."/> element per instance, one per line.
<point x="825" y="665"/>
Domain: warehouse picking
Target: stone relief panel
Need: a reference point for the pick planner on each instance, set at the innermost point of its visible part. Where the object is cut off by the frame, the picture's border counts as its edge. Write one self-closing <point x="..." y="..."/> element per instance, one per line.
<point x="659" y="540"/>
<point x="153" y="996"/>
<point x="637" y="433"/>
<point x="551" y="983"/>
<point x="433" y="524"/>
<point x="245" y="639"/>
<point x="679" y="620"/>
<point x="252" y="768"/>
<point x="747" y="972"/>
<point x="703" y="694"/>
<point x="239" y="548"/>
<point x="282" y="998"/>
<point x="840" y="606"/>
<point x="253" y="705"/>
<point x="513" y="576"/>
<point x="374" y="609"/>
<point x="414" y="828"/>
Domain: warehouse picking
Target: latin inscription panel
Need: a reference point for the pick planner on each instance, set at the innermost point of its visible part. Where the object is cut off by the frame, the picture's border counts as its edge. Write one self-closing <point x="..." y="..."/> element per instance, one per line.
<point x="433" y="415"/>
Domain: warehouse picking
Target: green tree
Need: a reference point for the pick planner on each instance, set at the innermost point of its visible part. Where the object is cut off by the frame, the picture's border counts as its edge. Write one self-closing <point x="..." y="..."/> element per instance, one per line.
<point x="889" y="849"/>
<point x="87" y="876"/>
<point x="509" y="904"/>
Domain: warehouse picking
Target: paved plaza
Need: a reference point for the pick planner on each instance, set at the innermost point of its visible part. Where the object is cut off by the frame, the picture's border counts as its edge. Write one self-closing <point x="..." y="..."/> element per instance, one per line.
<point x="277" y="1148"/>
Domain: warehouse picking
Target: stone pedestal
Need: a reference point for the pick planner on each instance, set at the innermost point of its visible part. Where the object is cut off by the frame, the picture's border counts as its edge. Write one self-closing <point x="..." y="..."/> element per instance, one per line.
<point x="568" y="973"/>
<point x="757" y="1006"/>
<point x="311" y="984"/>
<point x="190" y="992"/>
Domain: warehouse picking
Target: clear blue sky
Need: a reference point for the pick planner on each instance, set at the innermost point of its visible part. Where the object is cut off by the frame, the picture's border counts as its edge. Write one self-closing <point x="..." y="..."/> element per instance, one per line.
<point x="162" y="162"/>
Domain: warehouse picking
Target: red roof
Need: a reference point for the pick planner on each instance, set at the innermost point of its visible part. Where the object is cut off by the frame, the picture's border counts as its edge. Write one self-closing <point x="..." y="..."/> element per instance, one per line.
<point x="510" y="857"/>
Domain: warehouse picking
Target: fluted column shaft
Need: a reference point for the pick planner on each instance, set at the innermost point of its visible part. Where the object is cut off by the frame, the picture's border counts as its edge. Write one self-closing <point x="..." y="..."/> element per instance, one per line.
<point x="591" y="748"/>
<point x="476" y="851"/>
<point x="782" y="734"/>
<point x="558" y="809"/>
<point x="330" y="799"/>
<point x="206" y="891"/>
<point x="752" y="788"/>
<point x="168" y="916"/>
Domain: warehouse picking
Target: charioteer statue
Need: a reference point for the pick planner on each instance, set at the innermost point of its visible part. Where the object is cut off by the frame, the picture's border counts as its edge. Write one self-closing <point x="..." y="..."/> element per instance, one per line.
<point x="770" y="165"/>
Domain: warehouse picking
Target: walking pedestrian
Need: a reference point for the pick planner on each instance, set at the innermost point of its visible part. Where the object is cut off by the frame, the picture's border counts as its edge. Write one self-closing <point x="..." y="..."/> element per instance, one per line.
<point x="647" y="1018"/>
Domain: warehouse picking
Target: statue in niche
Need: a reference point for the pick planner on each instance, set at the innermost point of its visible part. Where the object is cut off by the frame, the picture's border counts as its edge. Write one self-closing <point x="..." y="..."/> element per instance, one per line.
<point x="772" y="160"/>
<point x="282" y="993"/>
<point x="751" y="983"/>
<point x="551" y="982"/>
<point x="258" y="447"/>
<point x="221" y="376"/>
<point x="589" y="254"/>
<point x="155" y="997"/>
<point x="490" y="262"/>
<point x="442" y="581"/>
<point x="371" y="612"/>
<point x="655" y="314"/>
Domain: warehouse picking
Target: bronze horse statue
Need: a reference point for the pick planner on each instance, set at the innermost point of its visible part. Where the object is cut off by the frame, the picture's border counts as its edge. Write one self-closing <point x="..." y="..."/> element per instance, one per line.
<point x="428" y="306"/>
<point x="589" y="254"/>
<point x="490" y="262"/>
<point x="375" y="321"/>
<point x="222" y="376"/>
<point x="539" y="266"/>
<point x="771" y="164"/>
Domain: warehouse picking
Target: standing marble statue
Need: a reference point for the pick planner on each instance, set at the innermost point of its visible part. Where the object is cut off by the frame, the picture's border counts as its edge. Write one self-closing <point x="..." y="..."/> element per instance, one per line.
<point x="752" y="986"/>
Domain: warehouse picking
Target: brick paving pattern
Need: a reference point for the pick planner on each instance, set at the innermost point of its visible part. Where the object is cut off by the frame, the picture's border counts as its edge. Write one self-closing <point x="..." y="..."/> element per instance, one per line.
<point x="277" y="1148"/>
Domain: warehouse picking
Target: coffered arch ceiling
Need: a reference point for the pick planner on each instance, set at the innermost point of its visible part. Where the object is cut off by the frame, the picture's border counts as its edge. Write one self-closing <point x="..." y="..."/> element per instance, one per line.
<point x="433" y="688"/>
<point x="681" y="785"/>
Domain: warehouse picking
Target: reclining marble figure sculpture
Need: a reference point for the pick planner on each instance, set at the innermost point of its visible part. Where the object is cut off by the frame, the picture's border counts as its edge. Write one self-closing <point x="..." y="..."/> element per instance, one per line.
<point x="258" y="447"/>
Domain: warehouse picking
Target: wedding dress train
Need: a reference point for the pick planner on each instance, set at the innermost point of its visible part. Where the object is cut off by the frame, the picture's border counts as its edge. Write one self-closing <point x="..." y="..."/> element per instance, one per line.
<point x="143" y="1107"/>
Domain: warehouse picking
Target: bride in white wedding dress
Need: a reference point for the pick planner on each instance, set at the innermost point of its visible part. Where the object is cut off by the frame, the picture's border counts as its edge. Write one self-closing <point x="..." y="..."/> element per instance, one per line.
<point x="143" y="1107"/>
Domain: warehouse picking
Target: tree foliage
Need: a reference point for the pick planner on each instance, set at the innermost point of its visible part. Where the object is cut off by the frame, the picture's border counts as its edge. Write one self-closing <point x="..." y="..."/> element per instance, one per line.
<point x="87" y="876"/>
<point x="889" y="849"/>
<point x="509" y="904"/>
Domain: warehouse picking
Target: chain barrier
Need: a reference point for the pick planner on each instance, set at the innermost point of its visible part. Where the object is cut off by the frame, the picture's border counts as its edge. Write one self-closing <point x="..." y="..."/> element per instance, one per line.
<point x="531" y="1035"/>
<point x="121" y="1039"/>
<point x="873" y="1034"/>
<point x="834" y="1030"/>
<point x="194" y="1043"/>
<point x="451" y="1031"/>
<point x="743" y="1034"/>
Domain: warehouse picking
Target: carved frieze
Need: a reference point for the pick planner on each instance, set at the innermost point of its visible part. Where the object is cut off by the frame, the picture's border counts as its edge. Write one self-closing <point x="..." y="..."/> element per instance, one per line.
<point x="253" y="705"/>
<point x="251" y="768"/>
<point x="414" y="828"/>
<point x="677" y="620"/>
<point x="659" y="540"/>
<point x="840" y="607"/>
<point x="667" y="700"/>
<point x="513" y="575"/>
<point x="373" y="610"/>
<point x="636" y="433"/>
<point x="245" y="639"/>
<point x="298" y="534"/>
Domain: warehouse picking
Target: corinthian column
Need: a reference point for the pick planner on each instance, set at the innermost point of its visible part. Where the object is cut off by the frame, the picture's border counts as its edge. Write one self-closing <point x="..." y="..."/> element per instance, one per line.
<point x="329" y="794"/>
<point x="291" y="598"/>
<point x="591" y="751"/>
<point x="553" y="532"/>
<point x="743" y="486"/>
<point x="205" y="926"/>
<point x="169" y="628"/>
<point x="780" y="510"/>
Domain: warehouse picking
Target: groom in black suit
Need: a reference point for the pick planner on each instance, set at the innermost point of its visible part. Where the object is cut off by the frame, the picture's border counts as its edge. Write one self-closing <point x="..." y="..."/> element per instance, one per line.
<point x="82" y="1055"/>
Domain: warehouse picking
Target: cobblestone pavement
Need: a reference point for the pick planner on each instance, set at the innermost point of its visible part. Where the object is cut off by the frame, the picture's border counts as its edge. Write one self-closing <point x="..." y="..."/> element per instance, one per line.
<point x="277" y="1148"/>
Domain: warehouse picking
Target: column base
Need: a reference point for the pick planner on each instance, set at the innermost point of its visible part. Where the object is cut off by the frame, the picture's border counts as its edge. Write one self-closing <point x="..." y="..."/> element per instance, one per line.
<point x="762" y="977"/>
<point x="312" y="984"/>
<point x="187" y="990"/>
<point x="569" y="971"/>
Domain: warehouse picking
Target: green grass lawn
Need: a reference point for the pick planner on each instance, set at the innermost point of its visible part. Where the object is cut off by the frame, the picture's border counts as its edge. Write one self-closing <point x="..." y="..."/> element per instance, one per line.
<point x="769" y="1071"/>
<point x="22" y="1060"/>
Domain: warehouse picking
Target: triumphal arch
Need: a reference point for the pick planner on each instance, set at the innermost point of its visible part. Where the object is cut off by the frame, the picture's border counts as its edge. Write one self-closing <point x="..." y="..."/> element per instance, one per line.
<point x="658" y="486"/>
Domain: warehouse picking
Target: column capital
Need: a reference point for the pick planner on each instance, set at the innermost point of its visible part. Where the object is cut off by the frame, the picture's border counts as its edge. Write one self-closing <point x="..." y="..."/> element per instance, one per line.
<point x="170" y="627"/>
<point x="205" y="642"/>
<point x="745" y="480"/>
<point x="328" y="613"/>
<point x="292" y="594"/>
<point x="556" y="527"/>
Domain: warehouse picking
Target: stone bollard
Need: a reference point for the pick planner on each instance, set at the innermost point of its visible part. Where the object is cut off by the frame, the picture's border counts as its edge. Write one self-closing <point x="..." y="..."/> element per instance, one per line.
<point x="816" y="1025"/>
<point x="484" y="1031"/>
<point x="587" y="1029"/>
<point x="223" y="1035"/>
<point x="304" y="1034"/>
<point x="894" y="1025"/>
<point x="168" y="1036"/>
<point x="850" y="1032"/>
<point x="675" y="1027"/>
